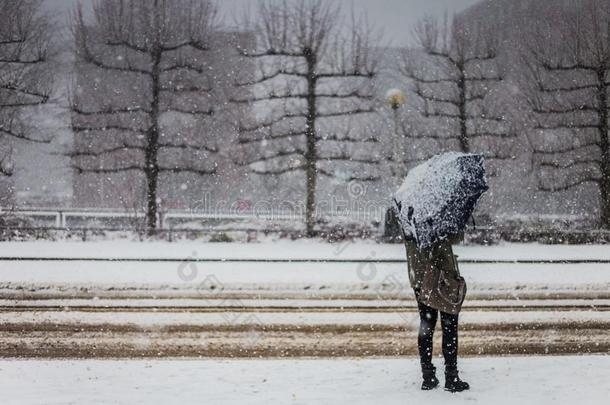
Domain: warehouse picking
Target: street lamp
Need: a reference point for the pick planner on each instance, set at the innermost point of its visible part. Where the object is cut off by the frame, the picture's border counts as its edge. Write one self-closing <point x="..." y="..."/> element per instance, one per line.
<point x="395" y="98"/>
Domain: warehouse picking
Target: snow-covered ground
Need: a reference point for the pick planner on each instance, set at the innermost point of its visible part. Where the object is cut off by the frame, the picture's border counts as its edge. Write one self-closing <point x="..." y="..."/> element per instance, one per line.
<point x="507" y="380"/>
<point x="303" y="249"/>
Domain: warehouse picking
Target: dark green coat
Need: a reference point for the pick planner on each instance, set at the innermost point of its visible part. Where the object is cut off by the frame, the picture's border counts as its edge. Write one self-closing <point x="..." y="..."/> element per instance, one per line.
<point x="435" y="277"/>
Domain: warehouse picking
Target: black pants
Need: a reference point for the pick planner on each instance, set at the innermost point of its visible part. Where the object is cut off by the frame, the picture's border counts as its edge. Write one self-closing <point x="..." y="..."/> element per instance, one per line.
<point x="449" y="323"/>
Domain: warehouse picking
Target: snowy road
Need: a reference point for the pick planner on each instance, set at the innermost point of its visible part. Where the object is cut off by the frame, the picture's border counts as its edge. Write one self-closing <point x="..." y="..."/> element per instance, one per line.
<point x="312" y="336"/>
<point x="357" y="304"/>
<point x="546" y="380"/>
<point x="134" y="328"/>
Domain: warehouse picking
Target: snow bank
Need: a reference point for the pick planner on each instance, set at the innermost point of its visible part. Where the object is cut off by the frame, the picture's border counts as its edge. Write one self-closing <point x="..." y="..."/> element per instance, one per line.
<point x="294" y="276"/>
<point x="387" y="276"/>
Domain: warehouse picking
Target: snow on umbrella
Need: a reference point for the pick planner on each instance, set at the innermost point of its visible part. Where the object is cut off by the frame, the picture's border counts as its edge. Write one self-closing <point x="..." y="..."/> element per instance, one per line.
<point x="438" y="197"/>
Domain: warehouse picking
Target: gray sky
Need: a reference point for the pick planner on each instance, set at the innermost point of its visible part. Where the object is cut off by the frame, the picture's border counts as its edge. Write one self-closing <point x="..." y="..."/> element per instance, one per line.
<point x="395" y="17"/>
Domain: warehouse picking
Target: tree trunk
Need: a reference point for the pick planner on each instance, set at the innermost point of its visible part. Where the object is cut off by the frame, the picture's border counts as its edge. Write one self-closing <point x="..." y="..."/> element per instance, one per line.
<point x="604" y="144"/>
<point x="311" y="156"/>
<point x="152" y="147"/>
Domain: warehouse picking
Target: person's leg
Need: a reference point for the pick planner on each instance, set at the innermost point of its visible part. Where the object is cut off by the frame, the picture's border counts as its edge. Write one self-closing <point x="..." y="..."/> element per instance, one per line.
<point x="428" y="317"/>
<point x="449" y="324"/>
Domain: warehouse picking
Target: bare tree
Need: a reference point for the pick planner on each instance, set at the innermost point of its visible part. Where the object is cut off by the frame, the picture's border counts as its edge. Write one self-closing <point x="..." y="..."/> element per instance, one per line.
<point x="569" y="77"/>
<point x="145" y="91"/>
<point x="25" y="80"/>
<point x="314" y="76"/>
<point x="453" y="78"/>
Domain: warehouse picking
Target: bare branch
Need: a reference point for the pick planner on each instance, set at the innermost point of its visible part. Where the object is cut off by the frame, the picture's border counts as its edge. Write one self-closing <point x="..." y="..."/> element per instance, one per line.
<point x="569" y="186"/>
<point x="273" y="156"/>
<point x="182" y="110"/>
<point x="343" y="113"/>
<point x="98" y="153"/>
<point x="349" y="178"/>
<point x="347" y="158"/>
<point x="103" y="128"/>
<point x="177" y="170"/>
<point x="561" y="111"/>
<point x="278" y="171"/>
<point x="267" y="77"/>
<point x="109" y="110"/>
<point x="272" y="136"/>
<point x="21" y="135"/>
<point x="570" y="164"/>
<point x="187" y="146"/>
<point x="566" y="149"/>
<point x="336" y="138"/>
<point x="184" y="66"/>
<point x="102" y="170"/>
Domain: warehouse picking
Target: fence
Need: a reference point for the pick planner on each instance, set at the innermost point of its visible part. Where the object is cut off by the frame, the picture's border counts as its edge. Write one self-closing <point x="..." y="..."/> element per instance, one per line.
<point x="40" y="222"/>
<point x="108" y="219"/>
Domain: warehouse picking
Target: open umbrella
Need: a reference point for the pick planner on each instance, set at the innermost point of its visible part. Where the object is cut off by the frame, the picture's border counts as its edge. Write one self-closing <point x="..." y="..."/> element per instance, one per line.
<point x="438" y="197"/>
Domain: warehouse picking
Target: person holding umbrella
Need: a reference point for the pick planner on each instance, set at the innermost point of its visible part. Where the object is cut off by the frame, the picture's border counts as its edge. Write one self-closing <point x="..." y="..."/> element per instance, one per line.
<point x="433" y="205"/>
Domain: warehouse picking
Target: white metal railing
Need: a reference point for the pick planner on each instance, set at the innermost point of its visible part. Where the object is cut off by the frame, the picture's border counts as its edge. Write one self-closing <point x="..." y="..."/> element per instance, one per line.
<point x="66" y="218"/>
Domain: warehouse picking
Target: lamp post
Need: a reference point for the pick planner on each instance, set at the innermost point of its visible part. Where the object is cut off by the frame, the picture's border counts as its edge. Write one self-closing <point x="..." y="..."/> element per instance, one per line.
<point x="395" y="99"/>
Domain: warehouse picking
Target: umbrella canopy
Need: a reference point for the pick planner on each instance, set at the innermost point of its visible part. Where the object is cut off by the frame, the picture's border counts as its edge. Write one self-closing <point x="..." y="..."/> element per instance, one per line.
<point x="438" y="197"/>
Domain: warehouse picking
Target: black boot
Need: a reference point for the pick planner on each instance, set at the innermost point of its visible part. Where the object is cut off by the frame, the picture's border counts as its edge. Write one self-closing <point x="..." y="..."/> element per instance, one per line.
<point x="429" y="375"/>
<point x="453" y="382"/>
